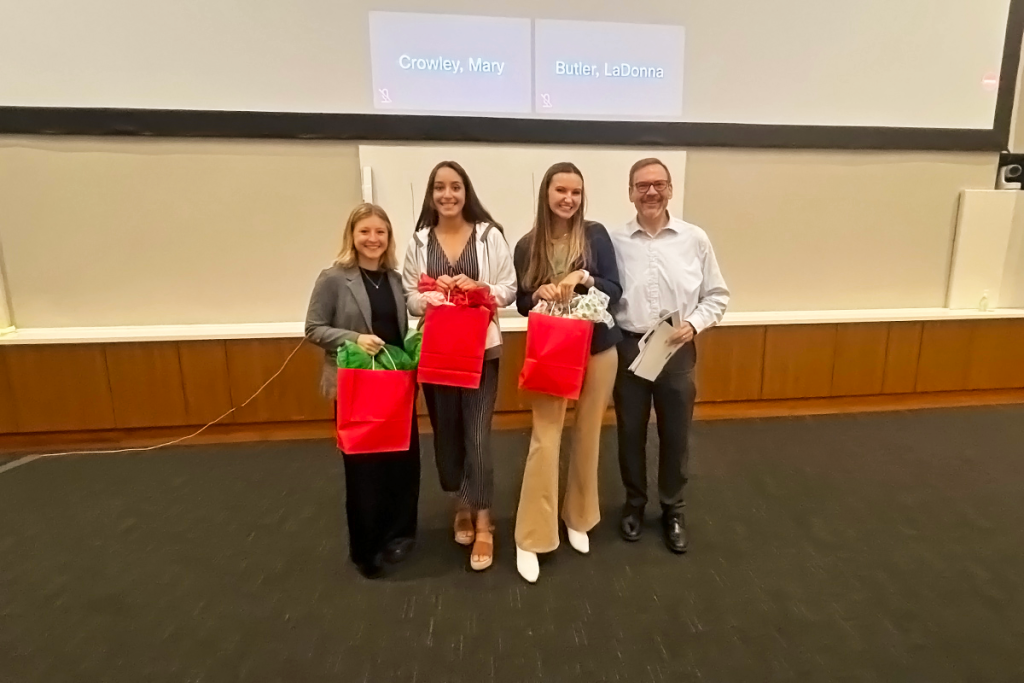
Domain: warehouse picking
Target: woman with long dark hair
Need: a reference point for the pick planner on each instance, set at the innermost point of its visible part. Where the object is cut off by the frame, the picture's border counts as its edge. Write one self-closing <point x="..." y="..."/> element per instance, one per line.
<point x="461" y="246"/>
<point x="564" y="255"/>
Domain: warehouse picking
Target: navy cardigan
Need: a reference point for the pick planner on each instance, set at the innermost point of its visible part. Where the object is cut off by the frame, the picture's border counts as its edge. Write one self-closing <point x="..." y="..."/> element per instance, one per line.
<point x="601" y="266"/>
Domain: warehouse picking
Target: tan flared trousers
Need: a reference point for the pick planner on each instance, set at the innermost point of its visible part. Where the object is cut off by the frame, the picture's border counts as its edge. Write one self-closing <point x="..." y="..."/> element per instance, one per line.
<point x="537" y="518"/>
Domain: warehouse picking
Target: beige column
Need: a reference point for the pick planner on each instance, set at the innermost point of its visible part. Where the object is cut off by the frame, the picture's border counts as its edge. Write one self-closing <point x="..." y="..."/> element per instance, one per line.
<point x="6" y="320"/>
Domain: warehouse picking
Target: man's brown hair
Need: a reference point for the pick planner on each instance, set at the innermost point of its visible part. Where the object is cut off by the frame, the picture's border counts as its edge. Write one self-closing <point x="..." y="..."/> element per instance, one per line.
<point x="644" y="163"/>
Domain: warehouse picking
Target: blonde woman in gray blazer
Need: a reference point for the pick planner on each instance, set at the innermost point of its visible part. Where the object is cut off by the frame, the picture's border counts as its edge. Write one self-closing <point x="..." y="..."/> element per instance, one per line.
<point x="360" y="299"/>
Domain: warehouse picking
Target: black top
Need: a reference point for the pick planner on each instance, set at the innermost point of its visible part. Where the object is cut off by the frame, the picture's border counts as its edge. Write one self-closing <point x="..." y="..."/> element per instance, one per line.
<point x="383" y="310"/>
<point x="601" y="266"/>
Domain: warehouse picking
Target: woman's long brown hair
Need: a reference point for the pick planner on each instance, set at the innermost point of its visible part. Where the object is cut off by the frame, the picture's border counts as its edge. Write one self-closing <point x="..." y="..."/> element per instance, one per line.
<point x="540" y="271"/>
<point x="473" y="210"/>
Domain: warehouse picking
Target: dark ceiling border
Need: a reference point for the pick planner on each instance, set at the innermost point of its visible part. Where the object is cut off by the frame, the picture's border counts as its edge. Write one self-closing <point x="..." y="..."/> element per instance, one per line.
<point x="1008" y="72"/>
<point x="391" y="127"/>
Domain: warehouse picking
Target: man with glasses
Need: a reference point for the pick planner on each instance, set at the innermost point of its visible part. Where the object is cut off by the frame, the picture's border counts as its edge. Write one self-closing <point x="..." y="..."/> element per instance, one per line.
<point x="666" y="266"/>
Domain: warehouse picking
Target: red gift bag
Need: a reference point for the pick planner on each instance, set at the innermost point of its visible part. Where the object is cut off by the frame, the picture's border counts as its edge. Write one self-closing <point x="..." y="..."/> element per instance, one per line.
<point x="557" y="353"/>
<point x="375" y="409"/>
<point x="452" y="352"/>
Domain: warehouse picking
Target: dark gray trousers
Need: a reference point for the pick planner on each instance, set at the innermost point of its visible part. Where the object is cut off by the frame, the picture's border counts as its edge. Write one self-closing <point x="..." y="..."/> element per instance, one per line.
<point x="673" y="394"/>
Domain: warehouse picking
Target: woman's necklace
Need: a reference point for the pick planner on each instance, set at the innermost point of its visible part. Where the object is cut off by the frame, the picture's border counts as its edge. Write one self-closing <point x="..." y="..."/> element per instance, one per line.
<point x="377" y="284"/>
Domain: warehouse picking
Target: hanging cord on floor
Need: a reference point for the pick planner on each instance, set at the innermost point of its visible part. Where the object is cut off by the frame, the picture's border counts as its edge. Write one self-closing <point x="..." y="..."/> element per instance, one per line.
<point x="38" y="456"/>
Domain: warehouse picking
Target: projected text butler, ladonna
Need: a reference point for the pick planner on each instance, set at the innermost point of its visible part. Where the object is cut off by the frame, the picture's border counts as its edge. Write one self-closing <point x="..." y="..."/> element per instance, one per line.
<point x="621" y="70"/>
<point x="446" y="64"/>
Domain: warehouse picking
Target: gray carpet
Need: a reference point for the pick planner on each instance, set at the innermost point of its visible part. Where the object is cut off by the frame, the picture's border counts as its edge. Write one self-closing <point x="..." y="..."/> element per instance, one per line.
<point x="860" y="548"/>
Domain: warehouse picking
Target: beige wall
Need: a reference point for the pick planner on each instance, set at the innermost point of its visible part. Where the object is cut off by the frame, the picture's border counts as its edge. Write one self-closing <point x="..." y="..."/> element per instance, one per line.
<point x="1011" y="293"/>
<point x="109" y="231"/>
<point x="5" y="310"/>
<point x="807" y="230"/>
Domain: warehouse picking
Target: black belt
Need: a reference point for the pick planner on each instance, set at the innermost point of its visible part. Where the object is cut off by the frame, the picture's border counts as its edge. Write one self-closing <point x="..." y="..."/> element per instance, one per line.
<point x="633" y="335"/>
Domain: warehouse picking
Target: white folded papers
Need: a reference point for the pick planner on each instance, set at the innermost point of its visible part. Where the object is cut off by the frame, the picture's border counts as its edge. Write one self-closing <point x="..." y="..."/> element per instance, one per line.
<point x="655" y="351"/>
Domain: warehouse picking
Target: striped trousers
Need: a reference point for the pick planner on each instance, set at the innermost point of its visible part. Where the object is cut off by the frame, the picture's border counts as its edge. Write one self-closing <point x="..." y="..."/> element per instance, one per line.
<point x="461" y="419"/>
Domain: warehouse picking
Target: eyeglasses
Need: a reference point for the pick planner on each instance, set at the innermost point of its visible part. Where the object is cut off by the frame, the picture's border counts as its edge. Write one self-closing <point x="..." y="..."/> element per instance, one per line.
<point x="659" y="186"/>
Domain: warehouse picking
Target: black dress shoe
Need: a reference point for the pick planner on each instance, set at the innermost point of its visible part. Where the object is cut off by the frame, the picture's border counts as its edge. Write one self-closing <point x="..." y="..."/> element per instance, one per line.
<point x="631" y="527"/>
<point x="371" y="570"/>
<point x="674" y="527"/>
<point x="398" y="549"/>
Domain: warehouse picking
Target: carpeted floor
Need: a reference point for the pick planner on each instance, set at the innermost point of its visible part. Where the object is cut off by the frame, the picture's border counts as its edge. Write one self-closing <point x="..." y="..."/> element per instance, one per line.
<point x="858" y="548"/>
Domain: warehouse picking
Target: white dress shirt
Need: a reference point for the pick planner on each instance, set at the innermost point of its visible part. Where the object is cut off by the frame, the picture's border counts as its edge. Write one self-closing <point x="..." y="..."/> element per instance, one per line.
<point x="674" y="271"/>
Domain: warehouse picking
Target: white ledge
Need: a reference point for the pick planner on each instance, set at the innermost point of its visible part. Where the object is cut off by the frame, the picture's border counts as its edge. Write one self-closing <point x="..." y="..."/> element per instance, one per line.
<point x="510" y="322"/>
<point x="868" y="315"/>
<point x="150" y="333"/>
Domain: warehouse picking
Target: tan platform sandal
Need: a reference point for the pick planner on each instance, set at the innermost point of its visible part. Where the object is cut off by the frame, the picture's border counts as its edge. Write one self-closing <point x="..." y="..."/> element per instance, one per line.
<point x="465" y="532"/>
<point x="483" y="548"/>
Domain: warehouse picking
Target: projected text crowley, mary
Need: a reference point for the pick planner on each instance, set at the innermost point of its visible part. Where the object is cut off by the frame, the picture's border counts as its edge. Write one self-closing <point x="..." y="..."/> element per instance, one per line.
<point x="446" y="64"/>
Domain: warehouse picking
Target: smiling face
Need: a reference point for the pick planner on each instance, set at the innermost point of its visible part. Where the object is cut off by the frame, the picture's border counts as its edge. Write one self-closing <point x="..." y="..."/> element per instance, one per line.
<point x="370" y="238"/>
<point x="565" y="194"/>
<point x="449" y="193"/>
<point x="650" y="191"/>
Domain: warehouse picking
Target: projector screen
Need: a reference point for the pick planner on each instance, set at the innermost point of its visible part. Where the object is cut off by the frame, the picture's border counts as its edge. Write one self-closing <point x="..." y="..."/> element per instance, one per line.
<point x="878" y="63"/>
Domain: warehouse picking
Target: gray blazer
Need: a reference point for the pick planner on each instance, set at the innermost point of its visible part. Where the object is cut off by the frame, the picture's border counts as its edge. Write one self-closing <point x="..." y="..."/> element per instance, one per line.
<point x="339" y="311"/>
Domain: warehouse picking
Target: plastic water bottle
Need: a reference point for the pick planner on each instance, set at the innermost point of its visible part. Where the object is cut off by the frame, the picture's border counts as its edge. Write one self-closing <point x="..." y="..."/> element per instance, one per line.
<point x="983" y="304"/>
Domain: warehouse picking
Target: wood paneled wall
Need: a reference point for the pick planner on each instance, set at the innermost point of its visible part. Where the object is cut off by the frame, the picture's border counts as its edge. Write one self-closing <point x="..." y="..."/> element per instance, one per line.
<point x="63" y="388"/>
<point x="902" y="353"/>
<point x="79" y="387"/>
<point x="859" y="359"/>
<point x="8" y="419"/>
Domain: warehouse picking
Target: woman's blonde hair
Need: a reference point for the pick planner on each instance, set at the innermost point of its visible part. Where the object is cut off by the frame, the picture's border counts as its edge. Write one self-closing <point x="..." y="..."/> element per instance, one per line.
<point x="540" y="270"/>
<point x="348" y="257"/>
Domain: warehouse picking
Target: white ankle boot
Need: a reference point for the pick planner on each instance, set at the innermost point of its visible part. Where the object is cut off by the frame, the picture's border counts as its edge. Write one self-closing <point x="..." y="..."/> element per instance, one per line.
<point x="526" y="563"/>
<point x="578" y="540"/>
